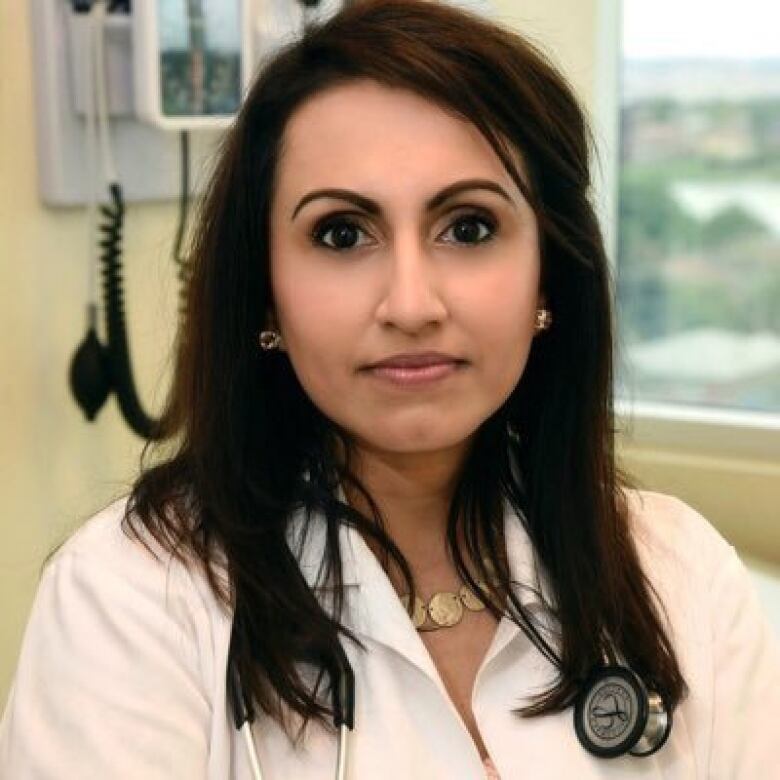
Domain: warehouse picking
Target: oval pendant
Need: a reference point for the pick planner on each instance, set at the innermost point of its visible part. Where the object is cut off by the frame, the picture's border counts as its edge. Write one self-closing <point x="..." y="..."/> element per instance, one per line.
<point x="445" y="609"/>
<point x="418" y="614"/>
<point x="470" y="599"/>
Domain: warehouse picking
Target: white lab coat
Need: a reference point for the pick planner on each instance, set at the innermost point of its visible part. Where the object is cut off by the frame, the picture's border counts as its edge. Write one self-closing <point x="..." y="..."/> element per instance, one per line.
<point x="122" y="673"/>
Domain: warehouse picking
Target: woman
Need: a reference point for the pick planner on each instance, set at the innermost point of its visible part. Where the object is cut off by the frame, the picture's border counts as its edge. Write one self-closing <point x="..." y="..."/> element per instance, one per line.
<point x="392" y="459"/>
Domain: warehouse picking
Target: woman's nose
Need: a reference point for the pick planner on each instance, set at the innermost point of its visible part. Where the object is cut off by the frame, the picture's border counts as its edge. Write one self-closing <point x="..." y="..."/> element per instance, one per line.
<point x="412" y="295"/>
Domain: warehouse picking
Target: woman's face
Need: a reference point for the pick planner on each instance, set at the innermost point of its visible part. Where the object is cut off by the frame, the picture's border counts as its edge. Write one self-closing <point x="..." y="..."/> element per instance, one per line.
<point x="407" y="259"/>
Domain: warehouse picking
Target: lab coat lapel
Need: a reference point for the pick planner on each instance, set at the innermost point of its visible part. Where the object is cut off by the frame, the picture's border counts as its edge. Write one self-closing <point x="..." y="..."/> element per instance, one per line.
<point x="371" y="609"/>
<point x="529" y="584"/>
<point x="378" y="614"/>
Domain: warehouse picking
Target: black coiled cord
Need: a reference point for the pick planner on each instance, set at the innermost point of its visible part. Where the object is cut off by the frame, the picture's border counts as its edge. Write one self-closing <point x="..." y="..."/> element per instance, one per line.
<point x="117" y="349"/>
<point x="97" y="369"/>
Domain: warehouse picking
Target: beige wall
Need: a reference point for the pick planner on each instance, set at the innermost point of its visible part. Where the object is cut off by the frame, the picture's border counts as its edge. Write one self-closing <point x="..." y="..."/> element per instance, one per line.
<point x="55" y="469"/>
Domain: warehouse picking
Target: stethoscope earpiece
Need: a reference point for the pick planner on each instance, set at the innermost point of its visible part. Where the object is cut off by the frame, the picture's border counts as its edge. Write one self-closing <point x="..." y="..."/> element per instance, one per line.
<point x="614" y="714"/>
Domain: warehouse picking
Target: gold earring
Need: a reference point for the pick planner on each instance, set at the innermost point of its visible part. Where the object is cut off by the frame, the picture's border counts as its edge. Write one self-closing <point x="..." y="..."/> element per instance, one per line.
<point x="543" y="319"/>
<point x="270" y="339"/>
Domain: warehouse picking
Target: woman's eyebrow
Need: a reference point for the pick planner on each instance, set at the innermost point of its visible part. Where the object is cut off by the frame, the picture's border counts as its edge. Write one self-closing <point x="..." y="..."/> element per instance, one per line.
<point x="372" y="207"/>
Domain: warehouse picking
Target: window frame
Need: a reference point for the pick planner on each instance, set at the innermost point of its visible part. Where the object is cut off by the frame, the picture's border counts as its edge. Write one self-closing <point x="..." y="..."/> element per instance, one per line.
<point x="644" y="424"/>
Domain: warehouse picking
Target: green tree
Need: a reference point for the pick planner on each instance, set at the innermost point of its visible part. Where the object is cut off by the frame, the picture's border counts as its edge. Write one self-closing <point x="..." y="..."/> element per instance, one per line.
<point x="652" y="226"/>
<point x="730" y="225"/>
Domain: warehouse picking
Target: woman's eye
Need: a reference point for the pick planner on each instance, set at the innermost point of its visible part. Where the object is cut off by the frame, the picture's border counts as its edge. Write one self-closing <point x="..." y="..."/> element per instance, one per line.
<point x="341" y="234"/>
<point x="344" y="232"/>
<point x="468" y="229"/>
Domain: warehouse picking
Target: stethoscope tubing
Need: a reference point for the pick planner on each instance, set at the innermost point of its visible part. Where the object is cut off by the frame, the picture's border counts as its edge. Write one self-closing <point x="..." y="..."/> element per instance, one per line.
<point x="254" y="762"/>
<point x="341" y="759"/>
<point x="251" y="750"/>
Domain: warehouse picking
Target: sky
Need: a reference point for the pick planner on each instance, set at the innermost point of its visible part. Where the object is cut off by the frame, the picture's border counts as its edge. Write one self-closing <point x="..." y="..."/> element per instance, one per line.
<point x="660" y="29"/>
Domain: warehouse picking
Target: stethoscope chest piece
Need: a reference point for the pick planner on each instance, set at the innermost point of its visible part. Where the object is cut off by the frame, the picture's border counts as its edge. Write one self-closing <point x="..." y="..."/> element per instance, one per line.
<point x="615" y="714"/>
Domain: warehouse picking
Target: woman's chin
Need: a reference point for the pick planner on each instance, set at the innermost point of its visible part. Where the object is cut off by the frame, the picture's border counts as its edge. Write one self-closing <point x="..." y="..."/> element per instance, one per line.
<point x="417" y="439"/>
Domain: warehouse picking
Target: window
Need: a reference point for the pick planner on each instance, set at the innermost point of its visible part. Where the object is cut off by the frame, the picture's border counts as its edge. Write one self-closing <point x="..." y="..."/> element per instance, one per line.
<point x="698" y="204"/>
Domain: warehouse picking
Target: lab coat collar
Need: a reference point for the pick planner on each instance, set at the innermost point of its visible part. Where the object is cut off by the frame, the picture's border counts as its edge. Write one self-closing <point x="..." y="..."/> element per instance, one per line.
<point x="372" y="608"/>
<point x="359" y="564"/>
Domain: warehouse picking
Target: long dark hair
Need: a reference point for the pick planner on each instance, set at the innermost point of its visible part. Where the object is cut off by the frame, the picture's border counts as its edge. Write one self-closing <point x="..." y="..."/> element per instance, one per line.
<point x="244" y="433"/>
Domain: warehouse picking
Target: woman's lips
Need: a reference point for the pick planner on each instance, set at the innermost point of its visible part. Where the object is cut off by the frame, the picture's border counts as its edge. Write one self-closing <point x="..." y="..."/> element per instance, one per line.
<point x="413" y="377"/>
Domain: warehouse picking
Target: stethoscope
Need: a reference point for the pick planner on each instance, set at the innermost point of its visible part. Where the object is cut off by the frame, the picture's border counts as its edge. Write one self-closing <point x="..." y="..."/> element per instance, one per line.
<point x="343" y="702"/>
<point x="615" y="714"/>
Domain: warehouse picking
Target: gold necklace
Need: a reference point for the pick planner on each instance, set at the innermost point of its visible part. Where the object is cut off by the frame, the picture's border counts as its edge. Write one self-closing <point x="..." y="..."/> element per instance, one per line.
<point x="444" y="609"/>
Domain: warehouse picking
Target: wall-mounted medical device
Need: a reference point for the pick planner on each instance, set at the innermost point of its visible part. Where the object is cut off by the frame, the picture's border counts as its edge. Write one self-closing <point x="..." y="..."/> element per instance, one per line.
<point x="113" y="78"/>
<point x="169" y="65"/>
<point x="192" y="61"/>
